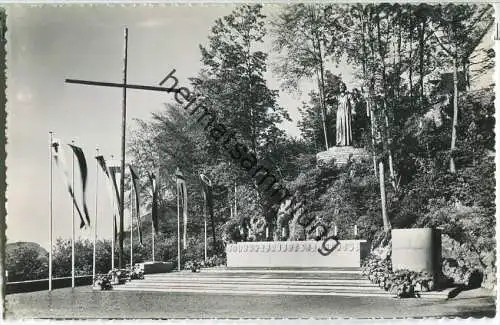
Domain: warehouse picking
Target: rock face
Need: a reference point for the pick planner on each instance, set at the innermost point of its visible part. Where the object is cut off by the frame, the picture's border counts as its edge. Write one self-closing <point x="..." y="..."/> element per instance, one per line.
<point x="466" y="267"/>
<point x="341" y="155"/>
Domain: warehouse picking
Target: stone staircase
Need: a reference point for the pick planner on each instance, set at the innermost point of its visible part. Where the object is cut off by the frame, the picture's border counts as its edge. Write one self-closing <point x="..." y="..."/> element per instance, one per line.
<point x="311" y="282"/>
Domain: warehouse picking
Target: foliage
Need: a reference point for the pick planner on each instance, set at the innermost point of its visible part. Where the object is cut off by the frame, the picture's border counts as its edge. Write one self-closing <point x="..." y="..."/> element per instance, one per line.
<point x="344" y="197"/>
<point x="83" y="257"/>
<point x="232" y="79"/>
<point x="103" y="282"/>
<point x="196" y="264"/>
<point x="401" y="283"/>
<point x="26" y="261"/>
<point x="461" y="273"/>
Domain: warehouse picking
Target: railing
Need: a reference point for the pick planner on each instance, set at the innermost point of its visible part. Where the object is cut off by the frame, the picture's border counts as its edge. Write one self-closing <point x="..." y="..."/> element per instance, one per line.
<point x="43" y="284"/>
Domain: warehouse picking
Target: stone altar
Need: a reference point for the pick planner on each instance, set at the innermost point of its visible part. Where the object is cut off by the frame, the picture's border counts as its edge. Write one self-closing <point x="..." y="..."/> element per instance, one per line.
<point x="296" y="254"/>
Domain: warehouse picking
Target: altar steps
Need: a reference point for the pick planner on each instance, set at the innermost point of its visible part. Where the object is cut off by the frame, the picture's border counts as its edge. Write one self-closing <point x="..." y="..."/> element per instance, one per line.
<point x="330" y="282"/>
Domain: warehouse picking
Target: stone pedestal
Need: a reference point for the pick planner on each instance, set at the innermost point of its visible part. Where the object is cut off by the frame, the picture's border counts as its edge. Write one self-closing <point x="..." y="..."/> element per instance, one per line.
<point x="417" y="249"/>
<point x="349" y="253"/>
<point x="341" y="155"/>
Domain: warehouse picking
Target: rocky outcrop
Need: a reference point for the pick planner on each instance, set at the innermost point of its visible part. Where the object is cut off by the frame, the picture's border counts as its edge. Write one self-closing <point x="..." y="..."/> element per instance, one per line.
<point x="341" y="155"/>
<point x="466" y="267"/>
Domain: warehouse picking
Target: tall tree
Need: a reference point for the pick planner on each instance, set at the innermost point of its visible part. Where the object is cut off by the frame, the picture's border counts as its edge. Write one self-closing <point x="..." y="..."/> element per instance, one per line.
<point x="304" y="38"/>
<point x="310" y="124"/>
<point x="232" y="79"/>
<point x="458" y="29"/>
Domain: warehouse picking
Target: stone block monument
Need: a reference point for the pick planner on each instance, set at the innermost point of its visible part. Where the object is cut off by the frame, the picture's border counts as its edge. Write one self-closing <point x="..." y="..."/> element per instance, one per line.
<point x="417" y="249"/>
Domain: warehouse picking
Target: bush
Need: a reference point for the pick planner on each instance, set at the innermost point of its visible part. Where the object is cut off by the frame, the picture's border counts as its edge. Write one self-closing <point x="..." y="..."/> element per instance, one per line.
<point x="194" y="266"/>
<point x="401" y="283"/>
<point x="213" y="261"/>
<point x="103" y="282"/>
<point x="462" y="273"/>
<point x="26" y="261"/>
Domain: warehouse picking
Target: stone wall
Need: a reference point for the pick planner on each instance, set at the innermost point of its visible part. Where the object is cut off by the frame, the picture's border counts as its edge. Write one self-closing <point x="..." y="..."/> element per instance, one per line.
<point x="341" y="155"/>
<point x="348" y="253"/>
<point x="43" y="284"/>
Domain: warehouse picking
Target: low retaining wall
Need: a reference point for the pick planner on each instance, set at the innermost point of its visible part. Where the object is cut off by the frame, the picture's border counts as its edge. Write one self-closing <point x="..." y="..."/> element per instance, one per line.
<point x="348" y="253"/>
<point x="43" y="284"/>
<point x="417" y="249"/>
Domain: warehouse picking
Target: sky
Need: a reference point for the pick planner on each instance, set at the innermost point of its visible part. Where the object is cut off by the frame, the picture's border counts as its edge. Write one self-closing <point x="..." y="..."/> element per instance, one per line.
<point x="48" y="44"/>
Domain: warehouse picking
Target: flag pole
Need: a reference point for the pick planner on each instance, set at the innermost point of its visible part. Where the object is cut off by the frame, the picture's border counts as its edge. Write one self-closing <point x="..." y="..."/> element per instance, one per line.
<point x="235" y="202"/>
<point x="122" y="180"/>
<point x="152" y="238"/>
<point x="50" y="214"/>
<point x="96" y="210"/>
<point x="178" y="233"/>
<point x="131" y="225"/>
<point x="205" y="215"/>
<point x="73" y="223"/>
<point x="114" y="232"/>
<point x="207" y="183"/>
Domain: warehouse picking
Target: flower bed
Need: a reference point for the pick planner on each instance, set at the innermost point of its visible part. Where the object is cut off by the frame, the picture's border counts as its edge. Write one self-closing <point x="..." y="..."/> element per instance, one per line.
<point x="212" y="261"/>
<point x="102" y="282"/>
<point x="135" y="273"/>
<point x="401" y="283"/>
<point x="119" y="276"/>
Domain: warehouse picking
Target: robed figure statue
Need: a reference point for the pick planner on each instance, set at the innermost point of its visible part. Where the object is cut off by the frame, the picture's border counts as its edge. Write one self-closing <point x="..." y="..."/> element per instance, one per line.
<point x="344" y="111"/>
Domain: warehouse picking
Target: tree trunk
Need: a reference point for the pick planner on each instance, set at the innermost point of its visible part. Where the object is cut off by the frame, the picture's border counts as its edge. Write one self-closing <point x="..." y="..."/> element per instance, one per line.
<point x="373" y="126"/>
<point x="320" y="76"/>
<point x="410" y="73"/>
<point x="385" y="219"/>
<point x="384" y="103"/>
<point x="392" y="174"/>
<point x="322" y="92"/>
<point x="251" y="105"/>
<point x="455" y="116"/>
<point x="399" y="60"/>
<point x="369" y="100"/>
<point x="466" y="67"/>
<point x="421" y="33"/>
<point x="323" y="113"/>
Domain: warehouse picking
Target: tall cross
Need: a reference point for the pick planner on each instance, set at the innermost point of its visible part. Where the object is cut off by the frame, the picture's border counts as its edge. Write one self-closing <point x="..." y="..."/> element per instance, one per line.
<point x="124" y="86"/>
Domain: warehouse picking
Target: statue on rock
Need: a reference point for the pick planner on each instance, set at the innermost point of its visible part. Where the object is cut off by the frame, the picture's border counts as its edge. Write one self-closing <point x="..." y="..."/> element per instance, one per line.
<point x="349" y="131"/>
<point x="344" y="121"/>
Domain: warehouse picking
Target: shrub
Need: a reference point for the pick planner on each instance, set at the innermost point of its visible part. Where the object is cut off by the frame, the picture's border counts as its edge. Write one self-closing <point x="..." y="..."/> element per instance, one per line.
<point x="401" y="283"/>
<point x="462" y="273"/>
<point x="26" y="261"/>
<point x="197" y="263"/>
